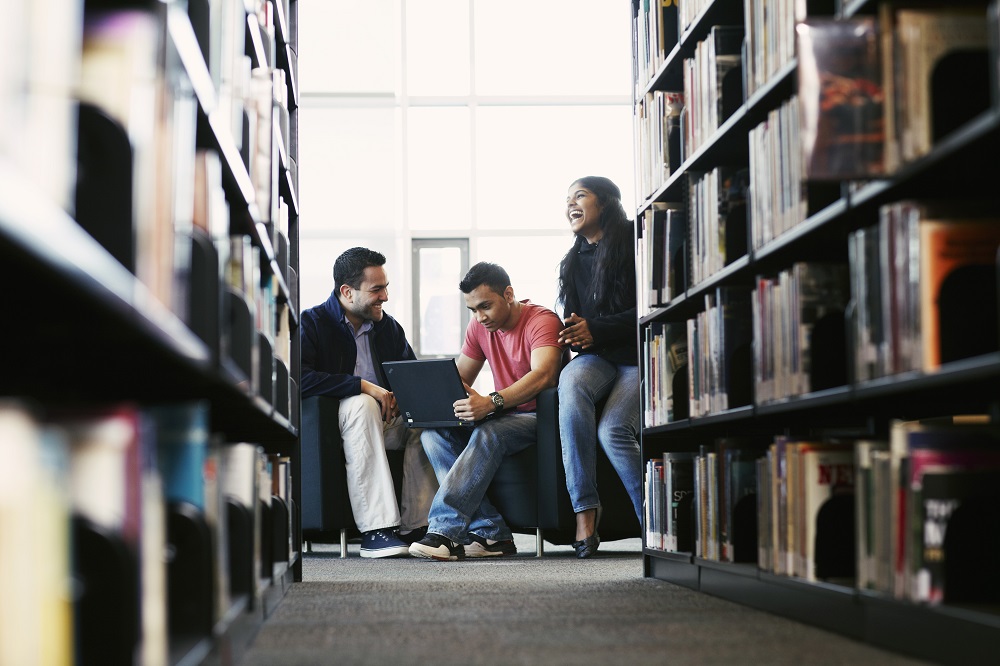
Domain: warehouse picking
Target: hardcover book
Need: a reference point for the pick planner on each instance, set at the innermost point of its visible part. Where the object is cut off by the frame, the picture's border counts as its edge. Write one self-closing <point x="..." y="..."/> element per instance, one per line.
<point x="679" y="491"/>
<point x="958" y="287"/>
<point x="955" y="535"/>
<point x="840" y="99"/>
<point x="941" y="78"/>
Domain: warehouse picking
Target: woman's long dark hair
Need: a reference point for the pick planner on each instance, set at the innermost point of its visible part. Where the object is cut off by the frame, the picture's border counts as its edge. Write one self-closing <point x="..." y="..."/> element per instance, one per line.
<point x="613" y="282"/>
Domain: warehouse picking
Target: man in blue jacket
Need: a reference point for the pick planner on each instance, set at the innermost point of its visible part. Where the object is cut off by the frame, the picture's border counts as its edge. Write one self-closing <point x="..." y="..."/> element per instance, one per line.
<point x="344" y="342"/>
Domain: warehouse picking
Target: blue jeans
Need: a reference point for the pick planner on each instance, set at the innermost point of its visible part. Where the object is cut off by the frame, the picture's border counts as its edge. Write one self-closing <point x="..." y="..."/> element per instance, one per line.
<point x="583" y="383"/>
<point x="465" y="462"/>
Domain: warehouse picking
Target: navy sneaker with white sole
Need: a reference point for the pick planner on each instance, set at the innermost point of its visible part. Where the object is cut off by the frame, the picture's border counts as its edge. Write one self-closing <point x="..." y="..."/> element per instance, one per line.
<point x="383" y="543"/>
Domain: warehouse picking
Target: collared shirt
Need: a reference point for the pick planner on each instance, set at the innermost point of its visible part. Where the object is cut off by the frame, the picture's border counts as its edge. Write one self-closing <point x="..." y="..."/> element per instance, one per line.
<point x="363" y="367"/>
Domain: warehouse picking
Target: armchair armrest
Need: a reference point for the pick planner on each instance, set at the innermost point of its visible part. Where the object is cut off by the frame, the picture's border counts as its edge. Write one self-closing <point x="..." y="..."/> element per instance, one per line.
<point x="553" y="499"/>
<point x="323" y="486"/>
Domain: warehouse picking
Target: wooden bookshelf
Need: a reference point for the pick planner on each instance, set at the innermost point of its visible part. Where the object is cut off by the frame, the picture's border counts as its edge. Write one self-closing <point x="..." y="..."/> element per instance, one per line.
<point x="959" y="165"/>
<point x="84" y="332"/>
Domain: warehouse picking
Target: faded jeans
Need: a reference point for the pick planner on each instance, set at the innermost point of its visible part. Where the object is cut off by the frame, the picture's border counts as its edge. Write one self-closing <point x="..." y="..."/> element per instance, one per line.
<point x="583" y="383"/>
<point x="369" y="481"/>
<point x="465" y="461"/>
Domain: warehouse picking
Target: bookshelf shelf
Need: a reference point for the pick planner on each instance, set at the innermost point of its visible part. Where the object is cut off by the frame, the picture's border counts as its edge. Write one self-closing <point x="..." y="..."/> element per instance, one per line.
<point x="859" y="410"/>
<point x="721" y="12"/>
<point x="737" y="271"/>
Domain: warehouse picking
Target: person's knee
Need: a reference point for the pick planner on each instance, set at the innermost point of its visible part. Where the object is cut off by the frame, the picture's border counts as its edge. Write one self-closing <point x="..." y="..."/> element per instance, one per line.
<point x="431" y="441"/>
<point x="360" y="417"/>
<point x="609" y="426"/>
<point x="361" y="406"/>
<point x="576" y="380"/>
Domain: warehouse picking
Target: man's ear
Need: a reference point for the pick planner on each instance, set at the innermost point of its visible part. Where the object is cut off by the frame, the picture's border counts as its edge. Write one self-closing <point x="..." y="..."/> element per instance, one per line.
<point x="347" y="292"/>
<point x="508" y="294"/>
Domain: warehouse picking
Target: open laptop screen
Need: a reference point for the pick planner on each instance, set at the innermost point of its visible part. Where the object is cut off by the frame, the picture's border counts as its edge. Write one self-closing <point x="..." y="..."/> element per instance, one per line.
<point x="426" y="390"/>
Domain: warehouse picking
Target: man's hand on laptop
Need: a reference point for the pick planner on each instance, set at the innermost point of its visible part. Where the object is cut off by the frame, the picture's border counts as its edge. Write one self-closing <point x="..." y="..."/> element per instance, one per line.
<point x="474" y="408"/>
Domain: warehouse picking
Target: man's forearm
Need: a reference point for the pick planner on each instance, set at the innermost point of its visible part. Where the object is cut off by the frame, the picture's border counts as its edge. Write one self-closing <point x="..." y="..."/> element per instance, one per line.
<point x="528" y="387"/>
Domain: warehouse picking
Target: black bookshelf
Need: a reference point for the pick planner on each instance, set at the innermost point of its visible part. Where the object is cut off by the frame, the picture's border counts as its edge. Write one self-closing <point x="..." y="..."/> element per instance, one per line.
<point x="83" y="329"/>
<point x="960" y="165"/>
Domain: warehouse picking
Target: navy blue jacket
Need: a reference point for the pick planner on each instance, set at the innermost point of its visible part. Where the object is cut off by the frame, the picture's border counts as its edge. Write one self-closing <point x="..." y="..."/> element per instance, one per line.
<point x="329" y="351"/>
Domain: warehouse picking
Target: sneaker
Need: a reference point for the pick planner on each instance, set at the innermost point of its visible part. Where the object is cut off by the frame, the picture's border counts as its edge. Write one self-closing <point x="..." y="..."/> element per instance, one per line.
<point x="383" y="543"/>
<point x="413" y="536"/>
<point x="436" y="547"/>
<point x="481" y="547"/>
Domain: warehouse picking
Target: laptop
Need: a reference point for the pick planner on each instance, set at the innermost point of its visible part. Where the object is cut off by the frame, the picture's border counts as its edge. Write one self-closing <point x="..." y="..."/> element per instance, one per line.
<point x="426" y="390"/>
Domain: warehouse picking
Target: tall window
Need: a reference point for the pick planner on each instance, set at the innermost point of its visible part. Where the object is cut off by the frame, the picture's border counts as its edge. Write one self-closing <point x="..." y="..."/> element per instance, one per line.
<point x="455" y="119"/>
<point x="440" y="314"/>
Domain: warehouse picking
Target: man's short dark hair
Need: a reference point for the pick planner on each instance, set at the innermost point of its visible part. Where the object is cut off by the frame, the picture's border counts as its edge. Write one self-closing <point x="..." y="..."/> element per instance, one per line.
<point x="350" y="266"/>
<point x="485" y="273"/>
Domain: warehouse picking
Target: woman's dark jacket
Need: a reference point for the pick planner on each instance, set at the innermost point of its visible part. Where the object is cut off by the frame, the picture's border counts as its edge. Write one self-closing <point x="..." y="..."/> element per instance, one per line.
<point x="615" y="333"/>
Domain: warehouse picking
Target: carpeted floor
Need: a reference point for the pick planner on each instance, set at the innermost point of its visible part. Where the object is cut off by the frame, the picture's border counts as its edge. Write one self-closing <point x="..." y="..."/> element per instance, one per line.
<point x="526" y="610"/>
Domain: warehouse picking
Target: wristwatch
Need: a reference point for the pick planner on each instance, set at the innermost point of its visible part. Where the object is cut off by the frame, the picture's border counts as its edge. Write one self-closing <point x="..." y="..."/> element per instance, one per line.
<point x="497" y="401"/>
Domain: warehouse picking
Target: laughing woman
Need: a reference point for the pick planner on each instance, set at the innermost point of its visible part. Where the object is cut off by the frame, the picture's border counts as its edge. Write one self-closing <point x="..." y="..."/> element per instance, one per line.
<point x="597" y="295"/>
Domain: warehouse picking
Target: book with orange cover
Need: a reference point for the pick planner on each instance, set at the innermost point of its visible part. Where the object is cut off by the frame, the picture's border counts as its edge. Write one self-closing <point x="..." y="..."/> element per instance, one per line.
<point x="958" y="302"/>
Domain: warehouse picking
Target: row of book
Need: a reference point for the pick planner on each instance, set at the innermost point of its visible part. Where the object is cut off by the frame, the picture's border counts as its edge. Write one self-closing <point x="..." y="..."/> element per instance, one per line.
<point x="657" y="139"/>
<point x="879" y="92"/>
<point x="927" y="511"/>
<point x="665" y="390"/>
<point x="923" y="286"/>
<point x="770" y="39"/>
<point x="100" y="113"/>
<point x="678" y="251"/>
<point x="919" y="290"/>
<point x="719" y="352"/>
<point x="704" y="502"/>
<point x="783" y="338"/>
<point x="713" y="85"/>
<point x="701" y="365"/>
<point x="248" y="322"/>
<point x="670" y="126"/>
<point x="655" y="33"/>
<point x="662" y="266"/>
<point x="93" y="500"/>
<point x="913" y="516"/>
<point x="805" y="509"/>
<point x="798" y="330"/>
<point x="873" y="94"/>
<point x="717" y="220"/>
<point x="37" y="84"/>
<point x="779" y="199"/>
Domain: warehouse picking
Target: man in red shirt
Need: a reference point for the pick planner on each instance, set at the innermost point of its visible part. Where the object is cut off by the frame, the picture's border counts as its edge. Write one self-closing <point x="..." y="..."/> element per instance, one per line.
<point x="520" y="340"/>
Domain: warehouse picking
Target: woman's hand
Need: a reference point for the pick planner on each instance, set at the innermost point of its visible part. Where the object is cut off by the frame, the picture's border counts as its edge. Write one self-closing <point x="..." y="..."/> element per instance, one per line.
<point x="576" y="332"/>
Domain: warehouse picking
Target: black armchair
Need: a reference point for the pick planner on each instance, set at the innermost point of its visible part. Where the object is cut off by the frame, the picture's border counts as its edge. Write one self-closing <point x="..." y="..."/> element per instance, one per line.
<point x="529" y="489"/>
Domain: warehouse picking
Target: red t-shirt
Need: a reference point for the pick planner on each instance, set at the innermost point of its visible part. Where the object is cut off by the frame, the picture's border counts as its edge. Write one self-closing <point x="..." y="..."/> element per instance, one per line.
<point x="509" y="352"/>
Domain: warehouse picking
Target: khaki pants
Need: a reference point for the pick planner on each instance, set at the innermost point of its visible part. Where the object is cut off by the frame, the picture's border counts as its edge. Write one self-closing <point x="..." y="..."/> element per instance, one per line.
<point x="369" y="482"/>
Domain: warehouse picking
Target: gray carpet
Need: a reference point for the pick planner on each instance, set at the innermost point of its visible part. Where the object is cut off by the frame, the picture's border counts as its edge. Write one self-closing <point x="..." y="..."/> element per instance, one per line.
<point x="525" y="610"/>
